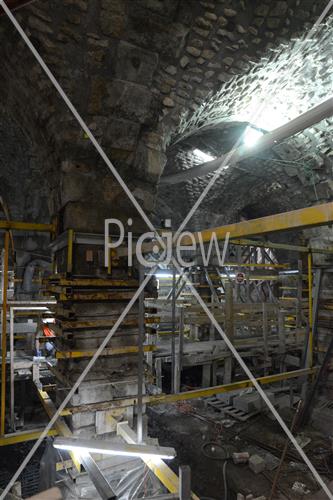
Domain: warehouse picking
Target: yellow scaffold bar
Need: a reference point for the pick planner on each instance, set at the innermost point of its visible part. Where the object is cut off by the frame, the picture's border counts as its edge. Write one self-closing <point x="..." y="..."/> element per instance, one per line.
<point x="234" y="386"/>
<point x="22" y="437"/>
<point x="318" y="215"/>
<point x="60" y="423"/>
<point x="27" y="226"/>
<point x="106" y="352"/>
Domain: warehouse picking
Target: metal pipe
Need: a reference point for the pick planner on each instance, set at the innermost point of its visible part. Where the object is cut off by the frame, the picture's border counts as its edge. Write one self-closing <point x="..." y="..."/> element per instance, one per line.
<point x="12" y="380"/>
<point x="310" y="342"/>
<point x="31" y="302"/>
<point x="298" y="124"/>
<point x="4" y="335"/>
<point x="173" y="330"/>
<point x="29" y="272"/>
<point x="141" y="357"/>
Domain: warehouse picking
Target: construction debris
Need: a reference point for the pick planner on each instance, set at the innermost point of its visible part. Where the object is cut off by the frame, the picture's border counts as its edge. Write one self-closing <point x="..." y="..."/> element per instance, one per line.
<point x="300" y="488"/>
<point x="240" y="458"/>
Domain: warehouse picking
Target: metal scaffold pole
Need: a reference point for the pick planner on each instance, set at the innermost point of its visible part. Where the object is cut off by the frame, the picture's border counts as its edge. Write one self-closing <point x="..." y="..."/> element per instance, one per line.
<point x="4" y="334"/>
<point x="141" y="358"/>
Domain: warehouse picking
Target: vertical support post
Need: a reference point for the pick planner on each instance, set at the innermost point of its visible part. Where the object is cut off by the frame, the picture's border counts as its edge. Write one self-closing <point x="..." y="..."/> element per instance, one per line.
<point x="70" y="242"/>
<point x="247" y="285"/>
<point x="315" y="306"/>
<point x="173" y="331"/>
<point x="4" y="334"/>
<point x="179" y="357"/>
<point x="229" y="329"/>
<point x="265" y="335"/>
<point x="282" y="337"/>
<point x="299" y="298"/>
<point x="184" y="482"/>
<point x="310" y="342"/>
<point x="12" y="379"/>
<point x="140" y="357"/>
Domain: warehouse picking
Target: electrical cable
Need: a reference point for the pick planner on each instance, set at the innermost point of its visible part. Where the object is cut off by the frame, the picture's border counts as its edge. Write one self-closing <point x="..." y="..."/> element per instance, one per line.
<point x="225" y="484"/>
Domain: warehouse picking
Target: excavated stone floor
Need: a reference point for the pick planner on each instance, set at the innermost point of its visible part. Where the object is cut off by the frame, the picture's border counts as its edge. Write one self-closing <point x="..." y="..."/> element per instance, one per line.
<point x="189" y="427"/>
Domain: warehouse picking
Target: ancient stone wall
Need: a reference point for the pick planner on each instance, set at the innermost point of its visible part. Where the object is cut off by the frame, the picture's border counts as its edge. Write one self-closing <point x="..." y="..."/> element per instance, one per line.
<point x="131" y="67"/>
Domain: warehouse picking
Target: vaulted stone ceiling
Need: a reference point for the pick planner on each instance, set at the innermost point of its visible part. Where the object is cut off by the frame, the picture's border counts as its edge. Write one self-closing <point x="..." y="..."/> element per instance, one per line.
<point x="132" y="67"/>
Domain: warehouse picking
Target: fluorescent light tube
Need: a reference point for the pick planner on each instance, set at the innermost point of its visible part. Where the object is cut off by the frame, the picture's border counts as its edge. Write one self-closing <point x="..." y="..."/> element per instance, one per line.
<point x="110" y="448"/>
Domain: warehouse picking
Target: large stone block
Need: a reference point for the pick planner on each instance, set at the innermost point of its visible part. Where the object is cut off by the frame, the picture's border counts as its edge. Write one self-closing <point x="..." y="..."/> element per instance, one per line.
<point x="149" y="162"/>
<point x="131" y="101"/>
<point x="135" y="64"/>
<point x="122" y="134"/>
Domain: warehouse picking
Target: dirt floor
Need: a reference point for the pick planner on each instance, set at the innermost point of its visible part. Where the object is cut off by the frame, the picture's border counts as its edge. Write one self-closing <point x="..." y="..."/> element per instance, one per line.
<point x="204" y="442"/>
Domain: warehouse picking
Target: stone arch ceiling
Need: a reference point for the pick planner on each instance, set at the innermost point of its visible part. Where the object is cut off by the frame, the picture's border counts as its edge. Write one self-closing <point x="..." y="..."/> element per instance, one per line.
<point x="132" y="67"/>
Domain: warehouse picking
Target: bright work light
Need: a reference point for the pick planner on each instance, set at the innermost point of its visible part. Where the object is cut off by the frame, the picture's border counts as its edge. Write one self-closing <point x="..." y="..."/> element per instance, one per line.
<point x="109" y="448"/>
<point x="251" y="135"/>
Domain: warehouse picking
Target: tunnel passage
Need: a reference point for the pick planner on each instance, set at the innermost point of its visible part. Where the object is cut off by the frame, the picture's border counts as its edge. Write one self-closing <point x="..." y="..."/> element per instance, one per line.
<point x="142" y="74"/>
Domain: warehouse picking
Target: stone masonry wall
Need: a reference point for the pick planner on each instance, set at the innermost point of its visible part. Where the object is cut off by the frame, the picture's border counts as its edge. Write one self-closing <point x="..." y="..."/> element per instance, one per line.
<point x="131" y="67"/>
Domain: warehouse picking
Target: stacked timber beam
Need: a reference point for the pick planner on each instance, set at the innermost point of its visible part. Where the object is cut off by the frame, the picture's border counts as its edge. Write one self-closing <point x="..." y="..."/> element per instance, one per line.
<point x="88" y="305"/>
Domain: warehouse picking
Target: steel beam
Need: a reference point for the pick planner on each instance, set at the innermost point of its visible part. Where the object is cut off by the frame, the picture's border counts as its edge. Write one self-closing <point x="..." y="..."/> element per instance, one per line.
<point x="318" y="215"/>
<point x="22" y="437"/>
<point x="107" y="352"/>
<point x="303" y="218"/>
<point x="301" y="122"/>
<point x="4" y="334"/>
<point x="97" y="477"/>
<point x="27" y="226"/>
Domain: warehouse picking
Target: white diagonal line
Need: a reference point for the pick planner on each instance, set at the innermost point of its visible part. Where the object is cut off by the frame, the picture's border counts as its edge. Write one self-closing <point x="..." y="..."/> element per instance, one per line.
<point x="231" y="153"/>
<point x="255" y="383"/>
<point x="150" y="225"/>
<point x="76" y="385"/>
<point x="136" y="205"/>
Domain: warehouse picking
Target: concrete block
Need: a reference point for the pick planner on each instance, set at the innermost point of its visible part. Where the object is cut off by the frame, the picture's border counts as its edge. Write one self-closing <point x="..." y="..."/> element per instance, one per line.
<point x="256" y="464"/>
<point x="247" y="402"/>
<point x="251" y="402"/>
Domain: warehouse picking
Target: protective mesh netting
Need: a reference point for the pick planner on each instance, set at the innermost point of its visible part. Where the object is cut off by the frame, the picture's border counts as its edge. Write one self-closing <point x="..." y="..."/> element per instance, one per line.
<point x="291" y="79"/>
